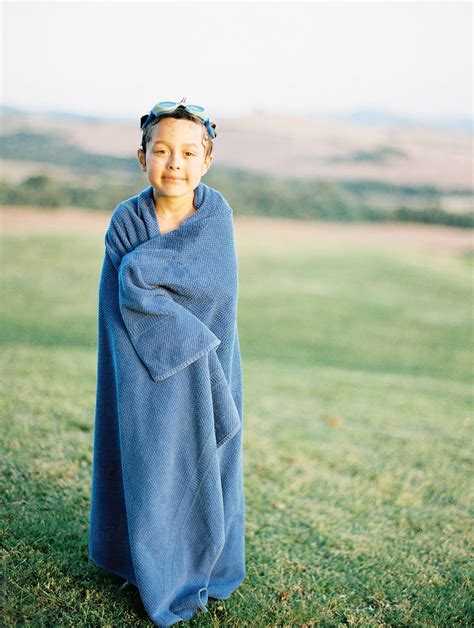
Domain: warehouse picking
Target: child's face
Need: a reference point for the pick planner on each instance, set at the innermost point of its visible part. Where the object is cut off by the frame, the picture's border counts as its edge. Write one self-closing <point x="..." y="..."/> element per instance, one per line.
<point x="175" y="150"/>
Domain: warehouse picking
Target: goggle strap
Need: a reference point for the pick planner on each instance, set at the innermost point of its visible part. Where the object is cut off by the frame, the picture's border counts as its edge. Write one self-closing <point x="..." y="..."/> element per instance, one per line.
<point x="206" y="123"/>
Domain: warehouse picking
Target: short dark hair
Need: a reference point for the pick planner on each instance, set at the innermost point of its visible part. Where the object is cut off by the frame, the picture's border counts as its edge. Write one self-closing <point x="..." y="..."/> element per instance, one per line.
<point x="179" y="114"/>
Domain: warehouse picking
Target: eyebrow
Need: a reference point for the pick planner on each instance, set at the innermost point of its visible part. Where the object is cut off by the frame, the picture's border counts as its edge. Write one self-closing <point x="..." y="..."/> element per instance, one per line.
<point x="185" y="144"/>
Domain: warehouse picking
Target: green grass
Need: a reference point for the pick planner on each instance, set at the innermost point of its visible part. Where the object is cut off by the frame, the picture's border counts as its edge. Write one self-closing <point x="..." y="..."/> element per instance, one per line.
<point x="357" y="437"/>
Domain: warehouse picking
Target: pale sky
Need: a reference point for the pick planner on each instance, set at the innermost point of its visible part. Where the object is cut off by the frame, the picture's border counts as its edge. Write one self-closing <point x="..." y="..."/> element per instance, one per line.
<point x="119" y="58"/>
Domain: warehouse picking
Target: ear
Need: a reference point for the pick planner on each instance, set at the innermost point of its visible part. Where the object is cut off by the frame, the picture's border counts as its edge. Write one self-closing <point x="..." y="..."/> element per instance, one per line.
<point x="141" y="159"/>
<point x="206" y="165"/>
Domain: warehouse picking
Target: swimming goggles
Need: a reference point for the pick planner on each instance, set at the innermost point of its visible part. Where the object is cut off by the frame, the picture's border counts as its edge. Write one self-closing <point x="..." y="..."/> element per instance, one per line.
<point x="165" y="106"/>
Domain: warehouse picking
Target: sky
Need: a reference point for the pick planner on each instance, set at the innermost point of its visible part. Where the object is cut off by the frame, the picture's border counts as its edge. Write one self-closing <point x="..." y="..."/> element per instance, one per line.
<point x="120" y="58"/>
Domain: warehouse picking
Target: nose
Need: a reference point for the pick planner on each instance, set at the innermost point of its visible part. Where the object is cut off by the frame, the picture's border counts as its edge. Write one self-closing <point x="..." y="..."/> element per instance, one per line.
<point x="174" y="161"/>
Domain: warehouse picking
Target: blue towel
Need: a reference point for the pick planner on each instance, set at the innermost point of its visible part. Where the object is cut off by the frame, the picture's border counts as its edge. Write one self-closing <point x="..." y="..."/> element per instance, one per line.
<point x="167" y="503"/>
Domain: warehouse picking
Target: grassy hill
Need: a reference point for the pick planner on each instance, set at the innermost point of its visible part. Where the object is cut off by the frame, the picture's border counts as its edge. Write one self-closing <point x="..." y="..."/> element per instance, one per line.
<point x="357" y="433"/>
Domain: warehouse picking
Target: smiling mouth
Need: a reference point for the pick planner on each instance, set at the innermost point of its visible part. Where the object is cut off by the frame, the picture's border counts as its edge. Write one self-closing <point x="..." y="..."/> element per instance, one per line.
<point x="172" y="179"/>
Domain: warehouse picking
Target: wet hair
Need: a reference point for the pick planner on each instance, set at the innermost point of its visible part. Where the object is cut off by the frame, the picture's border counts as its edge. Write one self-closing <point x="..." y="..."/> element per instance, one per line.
<point x="179" y="114"/>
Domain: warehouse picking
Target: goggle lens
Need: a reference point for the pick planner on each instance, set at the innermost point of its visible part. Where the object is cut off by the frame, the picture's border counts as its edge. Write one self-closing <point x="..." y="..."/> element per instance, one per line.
<point x="194" y="108"/>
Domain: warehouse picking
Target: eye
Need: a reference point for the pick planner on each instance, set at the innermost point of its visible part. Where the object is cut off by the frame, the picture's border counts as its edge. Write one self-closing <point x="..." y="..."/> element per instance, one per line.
<point x="188" y="153"/>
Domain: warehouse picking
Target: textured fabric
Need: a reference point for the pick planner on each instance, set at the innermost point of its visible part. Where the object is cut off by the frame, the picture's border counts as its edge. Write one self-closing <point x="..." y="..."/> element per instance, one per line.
<point x="167" y="504"/>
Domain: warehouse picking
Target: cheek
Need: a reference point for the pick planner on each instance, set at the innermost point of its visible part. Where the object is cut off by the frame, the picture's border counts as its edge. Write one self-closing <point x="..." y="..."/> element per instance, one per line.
<point x="193" y="166"/>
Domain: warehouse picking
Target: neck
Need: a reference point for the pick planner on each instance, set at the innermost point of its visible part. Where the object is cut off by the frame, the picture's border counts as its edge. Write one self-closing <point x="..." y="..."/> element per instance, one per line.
<point x="173" y="206"/>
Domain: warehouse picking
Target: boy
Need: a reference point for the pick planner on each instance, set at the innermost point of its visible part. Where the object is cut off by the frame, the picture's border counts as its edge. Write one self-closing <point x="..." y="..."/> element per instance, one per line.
<point x="167" y="504"/>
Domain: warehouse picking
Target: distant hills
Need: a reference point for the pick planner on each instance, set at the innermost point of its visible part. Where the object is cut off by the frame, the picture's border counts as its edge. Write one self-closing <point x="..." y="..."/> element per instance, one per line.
<point x="366" y="165"/>
<point x="378" y="117"/>
<point x="364" y="117"/>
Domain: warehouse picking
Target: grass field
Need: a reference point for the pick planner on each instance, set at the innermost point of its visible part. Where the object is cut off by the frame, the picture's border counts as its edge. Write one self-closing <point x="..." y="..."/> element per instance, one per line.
<point x="358" y="415"/>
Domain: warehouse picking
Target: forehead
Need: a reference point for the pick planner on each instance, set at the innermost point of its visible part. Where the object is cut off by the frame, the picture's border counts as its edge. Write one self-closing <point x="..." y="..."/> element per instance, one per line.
<point x="173" y="131"/>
